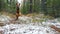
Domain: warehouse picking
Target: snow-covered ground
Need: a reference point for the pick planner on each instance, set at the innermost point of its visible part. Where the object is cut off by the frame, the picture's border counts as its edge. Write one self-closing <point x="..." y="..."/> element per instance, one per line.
<point x="26" y="29"/>
<point x="29" y="28"/>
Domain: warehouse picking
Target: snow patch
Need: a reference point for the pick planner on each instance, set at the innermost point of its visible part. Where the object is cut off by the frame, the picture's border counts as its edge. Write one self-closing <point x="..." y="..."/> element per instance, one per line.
<point x="27" y="29"/>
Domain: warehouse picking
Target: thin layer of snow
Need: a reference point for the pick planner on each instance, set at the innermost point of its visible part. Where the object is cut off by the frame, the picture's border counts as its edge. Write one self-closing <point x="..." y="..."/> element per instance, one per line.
<point x="4" y="19"/>
<point x="26" y="29"/>
<point x="25" y="19"/>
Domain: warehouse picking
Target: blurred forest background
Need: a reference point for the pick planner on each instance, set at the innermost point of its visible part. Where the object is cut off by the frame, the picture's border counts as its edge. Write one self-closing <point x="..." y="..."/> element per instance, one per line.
<point x="47" y="7"/>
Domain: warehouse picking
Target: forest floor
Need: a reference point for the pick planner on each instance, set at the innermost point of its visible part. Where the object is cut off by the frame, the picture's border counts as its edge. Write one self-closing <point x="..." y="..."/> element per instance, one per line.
<point x="28" y="24"/>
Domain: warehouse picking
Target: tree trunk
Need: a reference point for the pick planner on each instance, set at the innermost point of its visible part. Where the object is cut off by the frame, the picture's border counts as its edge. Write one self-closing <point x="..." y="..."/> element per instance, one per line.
<point x="30" y="10"/>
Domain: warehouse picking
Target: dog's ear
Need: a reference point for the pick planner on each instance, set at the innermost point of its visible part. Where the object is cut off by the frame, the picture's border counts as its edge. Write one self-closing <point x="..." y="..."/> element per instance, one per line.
<point x="16" y="3"/>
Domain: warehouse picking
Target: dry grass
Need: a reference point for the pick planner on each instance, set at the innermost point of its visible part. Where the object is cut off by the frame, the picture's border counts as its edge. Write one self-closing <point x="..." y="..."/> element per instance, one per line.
<point x="54" y="27"/>
<point x="1" y="24"/>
